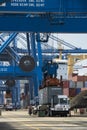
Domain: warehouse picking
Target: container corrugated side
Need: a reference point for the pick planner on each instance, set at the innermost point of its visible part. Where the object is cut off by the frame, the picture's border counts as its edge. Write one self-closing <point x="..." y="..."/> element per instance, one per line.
<point x="85" y="83"/>
<point x="79" y="84"/>
<point x="66" y="91"/>
<point x="47" y="93"/>
<point x="72" y="84"/>
<point x="78" y="90"/>
<point x="66" y="84"/>
<point x="72" y="92"/>
<point x="83" y="89"/>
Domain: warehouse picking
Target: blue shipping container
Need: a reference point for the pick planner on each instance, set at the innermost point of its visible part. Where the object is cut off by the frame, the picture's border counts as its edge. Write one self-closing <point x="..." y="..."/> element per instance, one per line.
<point x="78" y="90"/>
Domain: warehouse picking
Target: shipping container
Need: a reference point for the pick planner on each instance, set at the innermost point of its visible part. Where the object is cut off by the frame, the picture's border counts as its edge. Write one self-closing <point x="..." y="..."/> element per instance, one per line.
<point x="66" y="91"/>
<point x="52" y="82"/>
<point x="47" y="93"/>
<point x="85" y="84"/>
<point x="82" y="89"/>
<point x="78" y="90"/>
<point x="72" y="84"/>
<point x="72" y="92"/>
<point x="66" y="84"/>
<point x="84" y="78"/>
<point x="74" y="78"/>
<point x="79" y="78"/>
<point x="79" y="84"/>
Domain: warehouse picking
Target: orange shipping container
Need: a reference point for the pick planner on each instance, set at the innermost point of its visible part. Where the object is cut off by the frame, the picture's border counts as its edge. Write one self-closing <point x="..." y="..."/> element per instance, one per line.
<point x="52" y="81"/>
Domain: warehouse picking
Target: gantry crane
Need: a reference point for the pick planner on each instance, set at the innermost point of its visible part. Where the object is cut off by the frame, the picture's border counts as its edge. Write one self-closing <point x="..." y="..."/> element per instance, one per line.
<point x="41" y="52"/>
<point x="37" y="16"/>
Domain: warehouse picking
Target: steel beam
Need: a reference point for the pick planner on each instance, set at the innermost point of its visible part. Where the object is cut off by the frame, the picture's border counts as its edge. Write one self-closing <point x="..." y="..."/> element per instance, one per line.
<point x="42" y="6"/>
<point x="14" y="72"/>
<point x="40" y="24"/>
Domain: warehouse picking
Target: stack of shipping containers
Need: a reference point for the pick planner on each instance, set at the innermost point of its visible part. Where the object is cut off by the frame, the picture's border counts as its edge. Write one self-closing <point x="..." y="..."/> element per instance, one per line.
<point x="73" y="87"/>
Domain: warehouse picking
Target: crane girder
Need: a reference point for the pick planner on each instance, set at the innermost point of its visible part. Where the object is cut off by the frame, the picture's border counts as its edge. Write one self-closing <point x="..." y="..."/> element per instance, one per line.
<point x="43" y="6"/>
<point x="24" y="24"/>
<point x="45" y="15"/>
<point x="7" y="72"/>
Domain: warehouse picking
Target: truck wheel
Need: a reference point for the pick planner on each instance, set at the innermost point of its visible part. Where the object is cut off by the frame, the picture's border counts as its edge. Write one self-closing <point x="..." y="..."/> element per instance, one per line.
<point x="65" y="115"/>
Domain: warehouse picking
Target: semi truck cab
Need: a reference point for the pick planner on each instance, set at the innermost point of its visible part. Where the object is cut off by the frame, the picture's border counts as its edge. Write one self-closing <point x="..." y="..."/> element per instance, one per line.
<point x="61" y="107"/>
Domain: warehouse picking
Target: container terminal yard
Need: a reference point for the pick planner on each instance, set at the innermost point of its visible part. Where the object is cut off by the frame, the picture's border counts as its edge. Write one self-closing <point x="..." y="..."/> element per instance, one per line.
<point x="43" y="78"/>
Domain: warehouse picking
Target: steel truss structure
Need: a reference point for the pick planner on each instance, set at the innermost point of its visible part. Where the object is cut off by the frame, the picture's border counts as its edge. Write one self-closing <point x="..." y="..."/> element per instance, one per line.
<point x="36" y="16"/>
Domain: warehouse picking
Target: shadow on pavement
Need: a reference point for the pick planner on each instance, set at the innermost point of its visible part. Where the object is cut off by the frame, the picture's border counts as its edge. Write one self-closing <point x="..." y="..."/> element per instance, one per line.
<point x="6" y="126"/>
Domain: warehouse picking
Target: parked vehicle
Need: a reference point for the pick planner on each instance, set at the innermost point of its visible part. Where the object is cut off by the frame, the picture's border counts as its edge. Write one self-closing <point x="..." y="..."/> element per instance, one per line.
<point x="8" y="104"/>
<point x="1" y="106"/>
<point x="9" y="107"/>
<point x="53" y="102"/>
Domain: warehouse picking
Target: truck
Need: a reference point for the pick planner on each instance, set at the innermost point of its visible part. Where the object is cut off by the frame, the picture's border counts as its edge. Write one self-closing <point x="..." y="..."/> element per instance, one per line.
<point x="8" y="104"/>
<point x="52" y="101"/>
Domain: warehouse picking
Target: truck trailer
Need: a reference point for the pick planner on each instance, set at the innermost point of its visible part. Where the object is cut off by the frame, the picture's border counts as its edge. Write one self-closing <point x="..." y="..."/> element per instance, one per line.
<point x="52" y="101"/>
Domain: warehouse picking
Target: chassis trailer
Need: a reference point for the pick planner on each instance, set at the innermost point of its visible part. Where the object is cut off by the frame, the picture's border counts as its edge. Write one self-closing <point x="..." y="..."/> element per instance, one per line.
<point x="53" y="102"/>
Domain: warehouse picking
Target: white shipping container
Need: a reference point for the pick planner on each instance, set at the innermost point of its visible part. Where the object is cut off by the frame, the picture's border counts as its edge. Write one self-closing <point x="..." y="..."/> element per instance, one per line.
<point x="79" y="84"/>
<point x="62" y="70"/>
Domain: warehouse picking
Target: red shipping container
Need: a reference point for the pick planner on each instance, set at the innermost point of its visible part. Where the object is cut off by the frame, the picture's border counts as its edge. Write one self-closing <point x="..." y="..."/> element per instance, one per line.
<point x="79" y="78"/>
<point x="84" y="78"/>
<point x="66" y="84"/>
<point x="72" y="92"/>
